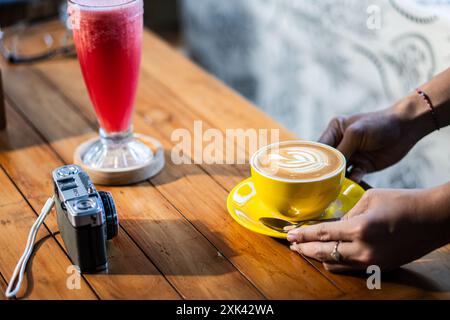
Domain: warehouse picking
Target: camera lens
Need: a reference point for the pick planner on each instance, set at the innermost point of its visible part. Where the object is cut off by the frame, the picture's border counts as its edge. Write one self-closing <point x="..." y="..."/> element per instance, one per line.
<point x="112" y="220"/>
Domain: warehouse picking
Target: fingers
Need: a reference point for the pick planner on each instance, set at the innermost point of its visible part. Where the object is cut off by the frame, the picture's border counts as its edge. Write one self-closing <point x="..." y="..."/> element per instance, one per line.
<point x="334" y="132"/>
<point x="344" y="230"/>
<point x="357" y="174"/>
<point x="351" y="141"/>
<point x="344" y="134"/>
<point x="321" y="251"/>
<point x="328" y="231"/>
<point x="361" y="163"/>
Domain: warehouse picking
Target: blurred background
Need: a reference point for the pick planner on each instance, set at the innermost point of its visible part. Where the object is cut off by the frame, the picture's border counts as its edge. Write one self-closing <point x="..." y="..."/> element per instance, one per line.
<point x="305" y="61"/>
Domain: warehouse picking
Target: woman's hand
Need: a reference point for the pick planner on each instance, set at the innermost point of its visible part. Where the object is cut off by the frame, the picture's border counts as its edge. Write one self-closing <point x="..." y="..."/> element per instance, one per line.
<point x="387" y="228"/>
<point x="374" y="141"/>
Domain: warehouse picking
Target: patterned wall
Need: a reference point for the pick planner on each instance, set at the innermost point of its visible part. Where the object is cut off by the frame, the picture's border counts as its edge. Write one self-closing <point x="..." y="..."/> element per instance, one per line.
<point x="305" y="61"/>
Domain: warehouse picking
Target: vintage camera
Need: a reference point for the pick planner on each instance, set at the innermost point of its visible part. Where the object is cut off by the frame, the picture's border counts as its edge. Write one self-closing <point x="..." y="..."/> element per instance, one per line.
<point x="86" y="218"/>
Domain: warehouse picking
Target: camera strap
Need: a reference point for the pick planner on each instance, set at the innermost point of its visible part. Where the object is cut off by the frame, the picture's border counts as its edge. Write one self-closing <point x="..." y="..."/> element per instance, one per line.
<point x="19" y="271"/>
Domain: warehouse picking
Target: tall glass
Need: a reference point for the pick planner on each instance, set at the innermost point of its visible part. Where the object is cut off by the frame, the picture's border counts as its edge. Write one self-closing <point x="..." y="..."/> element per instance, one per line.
<point x="108" y="38"/>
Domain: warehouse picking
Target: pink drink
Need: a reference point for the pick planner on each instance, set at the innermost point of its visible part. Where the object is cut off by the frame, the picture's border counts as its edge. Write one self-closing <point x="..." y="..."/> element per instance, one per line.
<point x="108" y="36"/>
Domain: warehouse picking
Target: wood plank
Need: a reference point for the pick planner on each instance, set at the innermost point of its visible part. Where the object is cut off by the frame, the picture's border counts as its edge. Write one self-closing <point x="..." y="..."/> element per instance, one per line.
<point x="425" y="278"/>
<point x="151" y="108"/>
<point x="210" y="99"/>
<point x="189" y="261"/>
<point x="436" y="267"/>
<point x="430" y="274"/>
<point x="252" y="254"/>
<point x="153" y="98"/>
<point x="165" y="127"/>
<point x="186" y="269"/>
<point x="16" y="218"/>
<point x="2" y="105"/>
<point x="193" y="173"/>
<point x="177" y="75"/>
<point x="3" y="286"/>
<point x="131" y="274"/>
<point x="164" y="95"/>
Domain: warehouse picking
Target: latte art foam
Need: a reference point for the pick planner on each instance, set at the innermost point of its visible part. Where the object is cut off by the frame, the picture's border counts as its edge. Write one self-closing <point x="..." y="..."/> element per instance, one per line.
<point x="298" y="160"/>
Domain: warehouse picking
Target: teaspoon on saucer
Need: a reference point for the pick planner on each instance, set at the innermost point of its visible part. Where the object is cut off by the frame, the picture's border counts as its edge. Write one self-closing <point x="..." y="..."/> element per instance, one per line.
<point x="285" y="226"/>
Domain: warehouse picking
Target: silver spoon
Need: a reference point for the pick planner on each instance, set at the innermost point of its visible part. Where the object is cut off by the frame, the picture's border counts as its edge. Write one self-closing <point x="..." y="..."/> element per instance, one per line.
<point x="284" y="226"/>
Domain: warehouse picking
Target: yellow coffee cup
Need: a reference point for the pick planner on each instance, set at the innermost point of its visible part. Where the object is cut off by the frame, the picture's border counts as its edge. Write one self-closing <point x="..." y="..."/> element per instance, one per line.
<point x="304" y="196"/>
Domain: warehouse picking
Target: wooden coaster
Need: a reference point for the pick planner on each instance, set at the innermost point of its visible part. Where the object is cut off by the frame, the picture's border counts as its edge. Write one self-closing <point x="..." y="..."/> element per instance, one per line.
<point x="112" y="177"/>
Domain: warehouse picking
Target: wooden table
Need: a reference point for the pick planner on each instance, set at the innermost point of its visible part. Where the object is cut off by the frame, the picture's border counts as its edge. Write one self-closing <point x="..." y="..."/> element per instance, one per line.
<point x="176" y="240"/>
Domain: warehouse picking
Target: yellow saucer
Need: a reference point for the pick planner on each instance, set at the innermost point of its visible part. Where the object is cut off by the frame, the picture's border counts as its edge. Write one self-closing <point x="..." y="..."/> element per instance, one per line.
<point x="246" y="208"/>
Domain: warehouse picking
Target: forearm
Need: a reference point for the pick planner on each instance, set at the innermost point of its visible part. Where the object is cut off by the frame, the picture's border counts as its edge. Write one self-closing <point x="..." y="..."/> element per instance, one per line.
<point x="433" y="208"/>
<point x="414" y="110"/>
<point x="438" y="89"/>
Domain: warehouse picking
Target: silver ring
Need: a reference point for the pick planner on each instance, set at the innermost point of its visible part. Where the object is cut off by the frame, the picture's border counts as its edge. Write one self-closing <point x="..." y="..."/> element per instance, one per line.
<point x="335" y="254"/>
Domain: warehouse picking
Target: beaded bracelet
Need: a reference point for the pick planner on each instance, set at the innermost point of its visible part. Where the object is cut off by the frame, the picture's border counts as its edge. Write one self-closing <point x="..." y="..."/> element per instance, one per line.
<point x="427" y="100"/>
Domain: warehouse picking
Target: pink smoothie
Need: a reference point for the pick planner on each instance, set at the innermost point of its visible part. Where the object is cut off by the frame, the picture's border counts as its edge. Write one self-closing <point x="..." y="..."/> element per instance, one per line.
<point x="108" y="36"/>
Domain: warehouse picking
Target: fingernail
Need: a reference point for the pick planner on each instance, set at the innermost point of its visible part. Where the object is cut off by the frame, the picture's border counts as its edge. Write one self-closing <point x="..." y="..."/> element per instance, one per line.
<point x="290" y="237"/>
<point x="296" y="248"/>
<point x="293" y="231"/>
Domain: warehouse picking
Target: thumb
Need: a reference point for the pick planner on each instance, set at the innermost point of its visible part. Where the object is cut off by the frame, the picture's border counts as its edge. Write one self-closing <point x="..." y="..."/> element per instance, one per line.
<point x="361" y="207"/>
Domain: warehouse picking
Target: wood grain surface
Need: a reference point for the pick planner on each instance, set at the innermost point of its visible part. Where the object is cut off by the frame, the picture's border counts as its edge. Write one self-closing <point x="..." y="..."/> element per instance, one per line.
<point x="2" y="105"/>
<point x="176" y="238"/>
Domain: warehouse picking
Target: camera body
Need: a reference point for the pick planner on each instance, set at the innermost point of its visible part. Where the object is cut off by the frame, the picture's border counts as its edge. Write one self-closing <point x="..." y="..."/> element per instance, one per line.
<point x="87" y="218"/>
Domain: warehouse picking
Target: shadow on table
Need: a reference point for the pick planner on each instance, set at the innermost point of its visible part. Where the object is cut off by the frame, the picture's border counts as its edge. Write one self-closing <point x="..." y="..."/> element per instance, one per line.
<point x="428" y="274"/>
<point x="151" y="247"/>
<point x="173" y="172"/>
<point x="179" y="250"/>
<point x="29" y="269"/>
<point x="13" y="139"/>
<point x="173" y="246"/>
<point x="415" y="279"/>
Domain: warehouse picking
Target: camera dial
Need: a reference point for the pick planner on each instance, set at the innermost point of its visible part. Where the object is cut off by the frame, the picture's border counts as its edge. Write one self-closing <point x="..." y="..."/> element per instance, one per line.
<point x="112" y="220"/>
<point x="86" y="204"/>
<point x="67" y="171"/>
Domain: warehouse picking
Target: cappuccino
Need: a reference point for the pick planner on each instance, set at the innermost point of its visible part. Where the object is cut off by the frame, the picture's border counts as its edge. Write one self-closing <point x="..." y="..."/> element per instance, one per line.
<point x="298" y="160"/>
